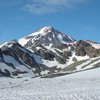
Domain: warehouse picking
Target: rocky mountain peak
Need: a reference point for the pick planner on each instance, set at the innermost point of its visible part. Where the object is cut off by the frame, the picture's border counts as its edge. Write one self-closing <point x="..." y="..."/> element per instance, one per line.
<point x="47" y="29"/>
<point x="46" y="36"/>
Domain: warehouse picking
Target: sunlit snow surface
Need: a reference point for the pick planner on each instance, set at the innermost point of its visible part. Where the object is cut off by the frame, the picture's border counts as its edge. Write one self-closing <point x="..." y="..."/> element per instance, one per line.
<point x="79" y="86"/>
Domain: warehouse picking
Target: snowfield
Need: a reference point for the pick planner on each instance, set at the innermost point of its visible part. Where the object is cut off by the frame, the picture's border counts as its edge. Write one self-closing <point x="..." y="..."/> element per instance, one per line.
<point x="78" y="86"/>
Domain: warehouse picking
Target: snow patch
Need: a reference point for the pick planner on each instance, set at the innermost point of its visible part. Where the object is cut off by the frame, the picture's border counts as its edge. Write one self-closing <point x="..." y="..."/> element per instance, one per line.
<point x="23" y="41"/>
<point x="61" y="39"/>
<point x="48" y="63"/>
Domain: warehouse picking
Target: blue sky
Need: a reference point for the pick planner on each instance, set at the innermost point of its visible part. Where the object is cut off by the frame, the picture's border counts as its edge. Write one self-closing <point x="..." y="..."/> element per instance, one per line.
<point x="77" y="18"/>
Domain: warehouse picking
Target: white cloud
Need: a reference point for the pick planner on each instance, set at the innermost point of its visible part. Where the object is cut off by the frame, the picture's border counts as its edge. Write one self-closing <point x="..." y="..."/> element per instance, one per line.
<point x="51" y="6"/>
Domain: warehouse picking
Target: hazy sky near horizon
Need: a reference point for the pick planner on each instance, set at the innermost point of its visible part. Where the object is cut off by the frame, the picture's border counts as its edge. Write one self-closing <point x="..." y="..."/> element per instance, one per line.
<point x="77" y="18"/>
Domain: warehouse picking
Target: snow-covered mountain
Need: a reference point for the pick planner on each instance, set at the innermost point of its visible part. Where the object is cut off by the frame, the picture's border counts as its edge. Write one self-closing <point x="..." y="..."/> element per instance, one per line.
<point x="46" y="36"/>
<point x="13" y="60"/>
<point x="48" y="52"/>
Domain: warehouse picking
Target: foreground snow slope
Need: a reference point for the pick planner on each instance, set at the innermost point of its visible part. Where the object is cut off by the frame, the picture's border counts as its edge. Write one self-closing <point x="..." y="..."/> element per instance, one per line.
<point x="79" y="86"/>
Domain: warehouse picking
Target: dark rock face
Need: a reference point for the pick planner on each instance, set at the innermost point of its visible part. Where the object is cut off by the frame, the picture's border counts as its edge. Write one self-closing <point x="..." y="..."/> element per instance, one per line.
<point x="50" y="55"/>
<point x="64" y="56"/>
<point x="83" y="48"/>
<point x="92" y="52"/>
<point x="60" y="46"/>
<point x="80" y="51"/>
<point x="47" y="55"/>
<point x="60" y="60"/>
<point x="27" y="57"/>
<point x="22" y="56"/>
<point x="5" y="73"/>
<point x="1" y="56"/>
<point x="67" y="54"/>
<point x="83" y="43"/>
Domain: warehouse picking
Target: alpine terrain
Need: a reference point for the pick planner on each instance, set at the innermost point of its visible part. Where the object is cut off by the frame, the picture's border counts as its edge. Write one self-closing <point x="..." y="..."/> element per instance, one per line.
<point x="47" y="53"/>
<point x="30" y="66"/>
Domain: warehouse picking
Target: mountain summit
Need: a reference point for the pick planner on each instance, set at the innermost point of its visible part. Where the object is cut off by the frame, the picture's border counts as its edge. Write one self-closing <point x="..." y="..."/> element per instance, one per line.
<point x="46" y="36"/>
